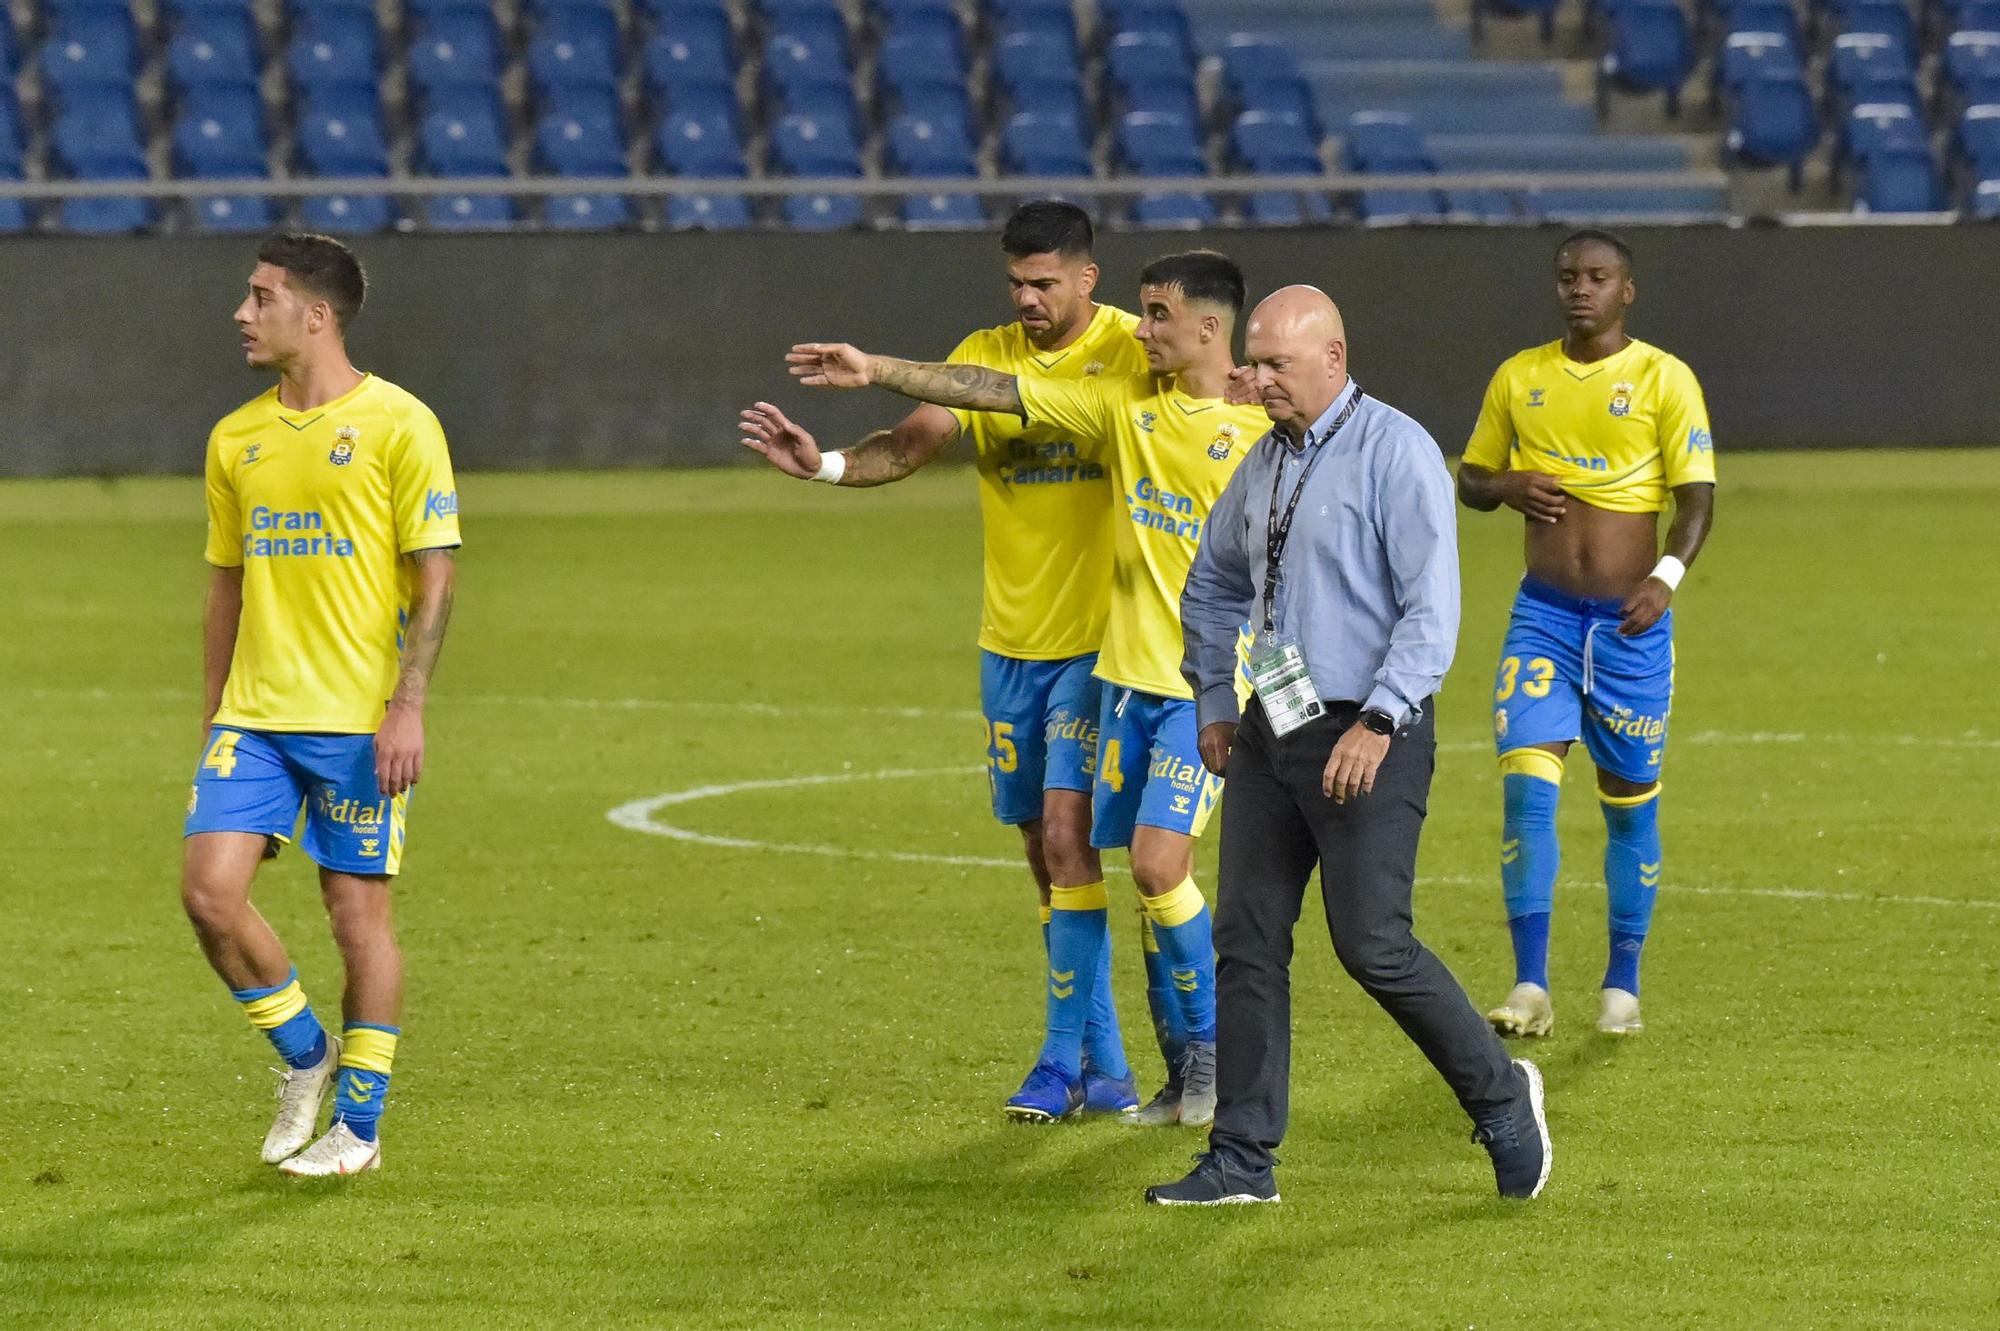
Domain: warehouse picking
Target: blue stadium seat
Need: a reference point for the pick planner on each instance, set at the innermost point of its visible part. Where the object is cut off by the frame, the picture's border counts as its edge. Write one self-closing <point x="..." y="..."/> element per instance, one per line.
<point x="90" y="52"/>
<point x="1150" y="144"/>
<point x="1136" y="60"/>
<point x="571" y="51"/>
<point x="942" y="212"/>
<point x="704" y="102"/>
<point x="822" y="212"/>
<point x="1257" y="57"/>
<point x="568" y="144"/>
<point x="457" y="48"/>
<point x="1055" y="98"/>
<point x="587" y="212"/>
<point x="303" y="11"/>
<point x="918" y="57"/>
<point x="98" y="138"/>
<point x="931" y="101"/>
<point x="213" y="49"/>
<point x="335" y="46"/>
<point x="1173" y="99"/>
<point x="1282" y="208"/>
<point x="824" y="101"/>
<point x="1972" y="15"/>
<point x="1773" y="122"/>
<point x="890" y="13"/>
<point x="15" y="216"/>
<point x="1901" y="180"/>
<point x="1651" y="50"/>
<point x="785" y="13"/>
<point x="708" y="212"/>
<point x="1036" y="143"/>
<point x="816" y="28"/>
<point x="220" y="134"/>
<point x="1744" y="56"/>
<point x="13" y="134"/>
<point x="1397" y="206"/>
<point x="1982" y="200"/>
<point x="813" y="146"/>
<point x="595" y="17"/>
<point x="462" y="142"/>
<point x="1769" y="16"/>
<point x="1273" y="145"/>
<point x="792" y="61"/>
<point x="922" y="147"/>
<point x="1876" y="129"/>
<point x="1884" y="16"/>
<point x="232" y="214"/>
<point x="1971" y="61"/>
<point x="117" y="216"/>
<point x="470" y="212"/>
<point x="420" y="13"/>
<point x="346" y="214"/>
<point x="1975" y="139"/>
<point x="1023" y="58"/>
<point x="341" y="137"/>
<point x="697" y="20"/>
<point x="1172" y="212"/>
<point x="1281" y="97"/>
<point x="674" y="60"/>
<point x="699" y="145"/>
<point x="1385" y="141"/>
<point x="1860" y="58"/>
<point x="1164" y="18"/>
<point x="10" y="52"/>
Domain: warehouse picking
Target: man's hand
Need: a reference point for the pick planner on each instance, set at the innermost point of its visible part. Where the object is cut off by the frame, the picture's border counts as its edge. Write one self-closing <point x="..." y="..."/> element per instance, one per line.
<point x="399" y="750"/>
<point x="1643" y="608"/>
<point x="1242" y="390"/>
<point x="1217" y="739"/>
<point x="784" y="444"/>
<point x="828" y="365"/>
<point x="1534" y="493"/>
<point x="1351" y="768"/>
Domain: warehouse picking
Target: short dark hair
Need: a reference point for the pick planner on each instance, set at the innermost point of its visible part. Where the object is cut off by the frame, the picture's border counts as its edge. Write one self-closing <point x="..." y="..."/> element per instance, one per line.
<point x="321" y="267"/>
<point x="1201" y="275"/>
<point x="1049" y="226"/>
<point x="1606" y="238"/>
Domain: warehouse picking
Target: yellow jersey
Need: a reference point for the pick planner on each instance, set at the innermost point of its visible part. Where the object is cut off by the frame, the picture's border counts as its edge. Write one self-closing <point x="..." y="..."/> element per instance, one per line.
<point x="1044" y="496"/>
<point x="1170" y="456"/>
<point x="1619" y="433"/>
<point x="318" y="509"/>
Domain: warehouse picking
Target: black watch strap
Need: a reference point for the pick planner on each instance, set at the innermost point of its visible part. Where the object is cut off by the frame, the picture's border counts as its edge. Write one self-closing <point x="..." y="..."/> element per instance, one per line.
<point x="1381" y="723"/>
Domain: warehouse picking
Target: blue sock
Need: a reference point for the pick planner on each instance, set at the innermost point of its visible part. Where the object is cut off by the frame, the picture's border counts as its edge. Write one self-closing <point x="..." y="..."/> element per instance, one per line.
<point x="1161" y="996"/>
<point x="1078" y="925"/>
<point x="367" y="1054"/>
<point x="1103" y="1041"/>
<point x="1632" y="862"/>
<point x="1530" y="856"/>
<point x="1181" y="924"/>
<point x="282" y="1013"/>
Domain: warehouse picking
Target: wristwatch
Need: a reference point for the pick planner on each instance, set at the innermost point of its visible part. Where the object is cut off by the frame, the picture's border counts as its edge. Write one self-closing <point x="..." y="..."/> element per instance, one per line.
<point x="1379" y="723"/>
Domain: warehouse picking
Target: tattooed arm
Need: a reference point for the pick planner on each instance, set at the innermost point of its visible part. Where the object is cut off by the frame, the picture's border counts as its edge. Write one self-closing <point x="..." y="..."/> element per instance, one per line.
<point x="399" y="744"/>
<point x="879" y="459"/>
<point x="967" y="387"/>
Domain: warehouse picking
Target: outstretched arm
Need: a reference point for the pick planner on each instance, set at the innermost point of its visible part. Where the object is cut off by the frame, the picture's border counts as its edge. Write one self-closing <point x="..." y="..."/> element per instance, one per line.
<point x="399" y="744"/>
<point x="967" y="387"/>
<point x="881" y="458"/>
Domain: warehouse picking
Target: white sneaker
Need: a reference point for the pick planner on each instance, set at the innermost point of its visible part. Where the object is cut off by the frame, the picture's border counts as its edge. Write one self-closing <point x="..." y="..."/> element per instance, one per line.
<point x="1618" y="1013"/>
<point x="1527" y="1011"/>
<point x="340" y="1152"/>
<point x="301" y="1091"/>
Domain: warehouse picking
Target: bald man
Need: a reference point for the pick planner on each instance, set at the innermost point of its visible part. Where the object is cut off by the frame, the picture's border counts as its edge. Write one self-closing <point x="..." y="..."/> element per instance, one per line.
<point x="1335" y="541"/>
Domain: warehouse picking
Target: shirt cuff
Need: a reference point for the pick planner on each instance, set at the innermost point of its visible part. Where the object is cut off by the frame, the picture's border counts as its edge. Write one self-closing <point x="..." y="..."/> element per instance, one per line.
<point x="1217" y="703"/>
<point x="1387" y="702"/>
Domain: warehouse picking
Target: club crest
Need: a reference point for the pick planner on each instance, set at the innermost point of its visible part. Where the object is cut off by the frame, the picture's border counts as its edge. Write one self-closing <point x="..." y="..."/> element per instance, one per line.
<point x="344" y="439"/>
<point x="1095" y="367"/>
<point x="1225" y="439"/>
<point x="1621" y="399"/>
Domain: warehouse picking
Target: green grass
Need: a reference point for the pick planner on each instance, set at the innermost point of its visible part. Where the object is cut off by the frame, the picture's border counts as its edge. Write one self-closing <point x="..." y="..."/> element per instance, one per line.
<point x="655" y="1083"/>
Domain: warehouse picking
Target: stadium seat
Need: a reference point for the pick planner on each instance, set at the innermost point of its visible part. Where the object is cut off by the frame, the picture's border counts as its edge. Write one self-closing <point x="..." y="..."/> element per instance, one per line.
<point x="470" y="212"/>
<point x="571" y="52"/>
<point x="1884" y="16"/>
<point x="1172" y="212"/>
<point x="456" y="48"/>
<point x="1860" y="58"/>
<point x="1971" y="61"/>
<point x="462" y="142"/>
<point x="1023" y="59"/>
<point x="1651" y="49"/>
<point x="827" y="102"/>
<point x="1061" y="98"/>
<point x="1900" y="180"/>
<point x="787" y="13"/>
<point x="232" y="214"/>
<point x="568" y="144"/>
<point x="10" y="49"/>
<point x="942" y="212"/>
<point x="1975" y="139"/>
<point x="587" y="212"/>
<point x="1983" y="200"/>
<point x="1385" y="141"/>
<point x="335" y="46"/>
<point x="98" y="138"/>
<point x="1034" y="143"/>
<point x="892" y="13"/>
<point x="15" y="216"/>
<point x="220" y="134"/>
<point x="705" y="103"/>
<point x="676" y="60"/>
<point x="793" y="61"/>
<point x="923" y="147"/>
<point x="1879" y="129"/>
<point x="13" y="135"/>
<point x="342" y="136"/>
<point x="1137" y="61"/>
<point x="213" y="49"/>
<point x="1163" y="18"/>
<point x="1273" y="145"/>
<point x="813" y="146"/>
<point x="1280" y="97"/>
<point x="920" y="57"/>
<point x="1972" y="15"/>
<point x="1767" y="16"/>
<point x="699" y="145"/>
<point x="822" y="212"/>
<point x="598" y="18"/>
<point x="1150" y="144"/>
<point x="1749" y="55"/>
<point x="346" y="214"/>
<point x="90" y="52"/>
<point x="708" y="212"/>
<point x="116" y="216"/>
<point x="931" y="102"/>
<point x="1283" y="208"/>
<point x="1773" y="122"/>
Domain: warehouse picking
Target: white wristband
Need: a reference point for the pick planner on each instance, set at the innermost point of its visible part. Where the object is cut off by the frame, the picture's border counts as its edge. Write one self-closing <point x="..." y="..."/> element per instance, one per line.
<point x="1670" y="571"/>
<point x="832" y="466"/>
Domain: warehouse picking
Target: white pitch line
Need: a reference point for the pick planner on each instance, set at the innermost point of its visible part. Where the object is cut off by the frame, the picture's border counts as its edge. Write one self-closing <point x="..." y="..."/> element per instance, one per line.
<point x="637" y="816"/>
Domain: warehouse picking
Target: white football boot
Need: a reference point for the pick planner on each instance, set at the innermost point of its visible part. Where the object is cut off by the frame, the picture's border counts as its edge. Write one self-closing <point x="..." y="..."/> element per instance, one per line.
<point x="1618" y="1013"/>
<point x="301" y="1091"/>
<point x="1527" y="1012"/>
<point x="338" y="1153"/>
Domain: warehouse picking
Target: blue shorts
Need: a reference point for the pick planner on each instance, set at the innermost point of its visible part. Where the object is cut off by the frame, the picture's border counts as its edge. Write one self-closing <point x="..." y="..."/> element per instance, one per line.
<point x="1566" y="673"/>
<point x="1041" y="730"/>
<point x="1149" y="770"/>
<point x="257" y="781"/>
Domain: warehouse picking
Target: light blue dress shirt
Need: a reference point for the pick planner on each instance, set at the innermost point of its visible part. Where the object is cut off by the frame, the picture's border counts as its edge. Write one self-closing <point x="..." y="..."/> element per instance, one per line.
<point x="1368" y="583"/>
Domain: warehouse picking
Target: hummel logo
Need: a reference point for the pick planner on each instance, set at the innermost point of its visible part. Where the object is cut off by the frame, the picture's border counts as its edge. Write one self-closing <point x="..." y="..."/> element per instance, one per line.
<point x="359" y="1091"/>
<point x="1649" y="875"/>
<point x="1510" y="851"/>
<point x="250" y="454"/>
<point x="1185" y="981"/>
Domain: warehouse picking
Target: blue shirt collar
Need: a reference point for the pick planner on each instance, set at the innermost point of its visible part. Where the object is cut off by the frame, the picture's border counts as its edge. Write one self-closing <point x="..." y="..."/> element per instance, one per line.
<point x="1316" y="432"/>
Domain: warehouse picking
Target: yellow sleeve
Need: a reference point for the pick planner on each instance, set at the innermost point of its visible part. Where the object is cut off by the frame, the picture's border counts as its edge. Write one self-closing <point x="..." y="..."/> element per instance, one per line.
<point x="1492" y="441"/>
<point x="1081" y="406"/>
<point x="421" y="486"/>
<point x="968" y="353"/>
<point x="1686" y="445"/>
<point x="225" y="514"/>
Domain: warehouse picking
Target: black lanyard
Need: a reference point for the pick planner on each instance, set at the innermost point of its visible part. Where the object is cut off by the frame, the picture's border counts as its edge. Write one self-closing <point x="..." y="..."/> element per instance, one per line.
<point x="1277" y="531"/>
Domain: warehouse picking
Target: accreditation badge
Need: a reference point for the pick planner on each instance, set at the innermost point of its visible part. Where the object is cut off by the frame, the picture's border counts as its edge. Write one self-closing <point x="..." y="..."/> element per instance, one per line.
<point x="1284" y="685"/>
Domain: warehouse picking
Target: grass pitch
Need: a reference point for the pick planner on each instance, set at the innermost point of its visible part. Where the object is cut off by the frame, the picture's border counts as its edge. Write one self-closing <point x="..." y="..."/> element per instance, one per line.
<point x="663" y="1082"/>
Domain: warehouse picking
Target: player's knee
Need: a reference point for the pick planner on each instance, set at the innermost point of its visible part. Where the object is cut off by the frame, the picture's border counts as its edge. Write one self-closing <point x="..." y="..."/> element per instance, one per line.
<point x="1066" y="846"/>
<point x="1617" y="790"/>
<point x="1159" y="872"/>
<point x="212" y="900"/>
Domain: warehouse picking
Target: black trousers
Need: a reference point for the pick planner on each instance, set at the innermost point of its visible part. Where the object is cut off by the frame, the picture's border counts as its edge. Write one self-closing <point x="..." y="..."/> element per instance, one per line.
<point x="1276" y="826"/>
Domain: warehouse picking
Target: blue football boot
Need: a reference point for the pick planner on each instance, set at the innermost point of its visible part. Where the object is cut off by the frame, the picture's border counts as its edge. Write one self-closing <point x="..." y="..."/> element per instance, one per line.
<point x="1046" y="1097"/>
<point x="1104" y="1094"/>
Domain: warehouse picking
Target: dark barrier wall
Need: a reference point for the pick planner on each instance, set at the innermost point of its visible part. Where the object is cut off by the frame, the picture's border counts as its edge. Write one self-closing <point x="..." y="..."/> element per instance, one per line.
<point x="117" y="356"/>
